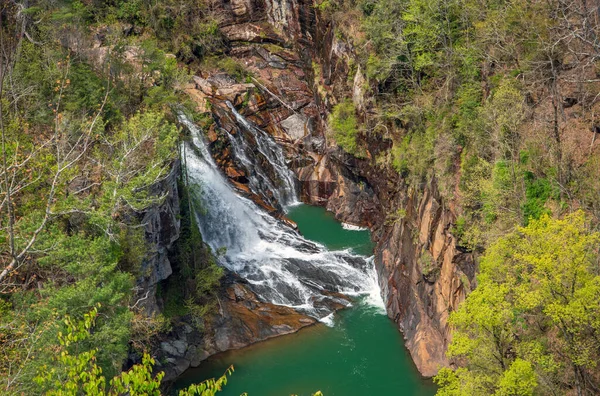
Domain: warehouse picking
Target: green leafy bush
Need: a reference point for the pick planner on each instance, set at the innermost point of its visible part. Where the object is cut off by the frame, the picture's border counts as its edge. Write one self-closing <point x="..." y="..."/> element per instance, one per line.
<point x="537" y="192"/>
<point x="528" y="327"/>
<point x="344" y="126"/>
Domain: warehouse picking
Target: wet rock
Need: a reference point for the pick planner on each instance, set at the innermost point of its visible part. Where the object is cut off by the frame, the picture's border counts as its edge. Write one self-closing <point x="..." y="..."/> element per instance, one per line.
<point x="257" y="320"/>
<point x="241" y="320"/>
<point x="196" y="355"/>
<point x="282" y="102"/>
<point x="233" y="173"/>
<point x="354" y="201"/>
<point x="181" y="366"/>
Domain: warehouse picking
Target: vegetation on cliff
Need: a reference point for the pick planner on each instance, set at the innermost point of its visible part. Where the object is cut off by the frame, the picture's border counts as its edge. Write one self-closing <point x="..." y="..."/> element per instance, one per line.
<point x="495" y="101"/>
<point x="87" y="139"/>
<point x="344" y="126"/>
<point x="77" y="372"/>
<point x="530" y="327"/>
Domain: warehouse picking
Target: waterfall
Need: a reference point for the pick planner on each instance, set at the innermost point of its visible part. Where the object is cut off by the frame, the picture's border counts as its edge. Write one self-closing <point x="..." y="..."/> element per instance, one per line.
<point x="258" y="181"/>
<point x="280" y="265"/>
<point x="271" y="175"/>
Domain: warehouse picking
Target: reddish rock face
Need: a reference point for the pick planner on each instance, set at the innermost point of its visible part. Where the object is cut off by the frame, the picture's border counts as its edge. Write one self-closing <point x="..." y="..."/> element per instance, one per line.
<point x="279" y="98"/>
<point x="426" y="277"/>
<point x="423" y="275"/>
<point x="241" y="320"/>
<point x="244" y="320"/>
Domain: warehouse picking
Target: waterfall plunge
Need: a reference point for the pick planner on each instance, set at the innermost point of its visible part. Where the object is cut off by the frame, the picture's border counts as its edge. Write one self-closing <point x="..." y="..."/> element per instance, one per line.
<point x="280" y="265"/>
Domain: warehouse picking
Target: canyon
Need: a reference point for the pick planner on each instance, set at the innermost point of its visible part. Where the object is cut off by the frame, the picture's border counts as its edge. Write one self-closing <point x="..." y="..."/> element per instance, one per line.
<point x="295" y="71"/>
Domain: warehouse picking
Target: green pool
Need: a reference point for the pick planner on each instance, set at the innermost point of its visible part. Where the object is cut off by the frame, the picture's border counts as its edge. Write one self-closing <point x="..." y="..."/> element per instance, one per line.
<point x="362" y="354"/>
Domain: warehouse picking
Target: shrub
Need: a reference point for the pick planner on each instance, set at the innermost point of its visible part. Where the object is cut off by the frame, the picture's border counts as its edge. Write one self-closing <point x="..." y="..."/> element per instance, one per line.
<point x="344" y="125"/>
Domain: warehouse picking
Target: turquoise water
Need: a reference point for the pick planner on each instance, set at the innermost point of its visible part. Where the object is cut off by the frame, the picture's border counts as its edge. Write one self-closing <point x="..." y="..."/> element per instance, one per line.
<point x="317" y="224"/>
<point x="362" y="354"/>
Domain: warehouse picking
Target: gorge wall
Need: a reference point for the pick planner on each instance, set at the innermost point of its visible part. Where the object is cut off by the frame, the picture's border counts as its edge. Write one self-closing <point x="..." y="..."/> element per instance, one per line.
<point x="424" y="276"/>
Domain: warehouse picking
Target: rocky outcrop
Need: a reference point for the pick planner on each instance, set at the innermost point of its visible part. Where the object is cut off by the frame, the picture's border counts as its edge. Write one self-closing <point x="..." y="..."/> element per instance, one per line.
<point x="161" y="226"/>
<point x="424" y="276"/>
<point x="241" y="320"/>
<point x="281" y="100"/>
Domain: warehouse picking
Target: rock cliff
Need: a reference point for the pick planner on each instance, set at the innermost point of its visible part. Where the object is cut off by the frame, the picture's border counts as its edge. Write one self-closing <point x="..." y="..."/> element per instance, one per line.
<point x="423" y="276"/>
<point x="161" y="227"/>
<point x="242" y="320"/>
<point x="296" y="70"/>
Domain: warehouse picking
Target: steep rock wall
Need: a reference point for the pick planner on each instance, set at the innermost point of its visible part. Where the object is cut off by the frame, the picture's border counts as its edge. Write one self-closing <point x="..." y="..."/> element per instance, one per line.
<point x="423" y="276"/>
<point x="161" y="229"/>
<point x="241" y="320"/>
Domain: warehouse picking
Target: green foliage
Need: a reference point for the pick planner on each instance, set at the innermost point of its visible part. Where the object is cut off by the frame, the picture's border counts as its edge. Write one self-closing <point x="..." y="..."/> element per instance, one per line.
<point x="85" y="165"/>
<point x="518" y="380"/>
<point x="228" y="65"/>
<point x="413" y="157"/>
<point x="75" y="372"/>
<point x="209" y="387"/>
<point x="344" y="126"/>
<point x="377" y="68"/>
<point x="472" y="69"/>
<point x="427" y="265"/>
<point x="144" y="147"/>
<point x="528" y="327"/>
<point x="91" y="264"/>
<point x="428" y="25"/>
<point x="537" y="192"/>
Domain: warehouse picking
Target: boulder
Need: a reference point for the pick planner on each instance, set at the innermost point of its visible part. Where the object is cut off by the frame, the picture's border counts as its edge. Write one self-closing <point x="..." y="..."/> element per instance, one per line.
<point x="296" y="126"/>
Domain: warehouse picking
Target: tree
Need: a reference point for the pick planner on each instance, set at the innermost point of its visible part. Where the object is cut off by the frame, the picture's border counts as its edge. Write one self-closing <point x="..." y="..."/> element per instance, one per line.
<point x="76" y="169"/>
<point x="531" y="325"/>
<point x="75" y="371"/>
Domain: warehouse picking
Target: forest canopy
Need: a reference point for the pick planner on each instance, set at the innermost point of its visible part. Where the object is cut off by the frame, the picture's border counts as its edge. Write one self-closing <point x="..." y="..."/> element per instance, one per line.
<point x="531" y="326"/>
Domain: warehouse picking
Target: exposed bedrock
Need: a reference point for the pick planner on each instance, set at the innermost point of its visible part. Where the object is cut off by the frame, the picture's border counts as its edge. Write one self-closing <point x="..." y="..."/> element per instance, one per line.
<point x="242" y="319"/>
<point x="423" y="275"/>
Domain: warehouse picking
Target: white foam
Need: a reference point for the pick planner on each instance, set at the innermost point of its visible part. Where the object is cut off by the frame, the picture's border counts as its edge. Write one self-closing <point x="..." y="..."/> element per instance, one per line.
<point x="281" y="266"/>
<point x="328" y="320"/>
<point x="352" y="227"/>
<point x="266" y="145"/>
<point x="374" y="297"/>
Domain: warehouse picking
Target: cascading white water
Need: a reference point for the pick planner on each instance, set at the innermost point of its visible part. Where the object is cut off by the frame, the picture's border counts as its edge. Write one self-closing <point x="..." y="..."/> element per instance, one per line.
<point x="280" y="265"/>
<point x="283" y="187"/>
<point x="258" y="181"/>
